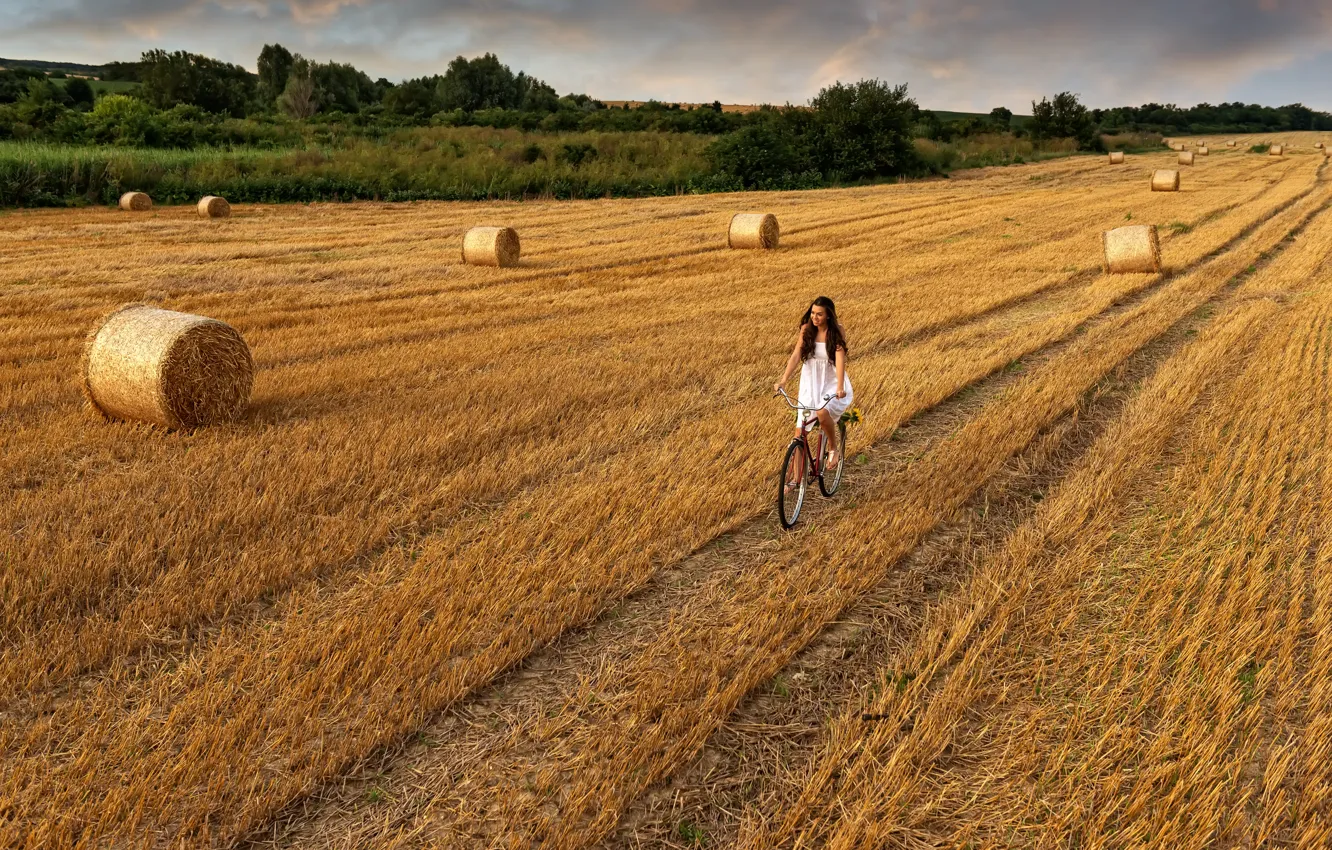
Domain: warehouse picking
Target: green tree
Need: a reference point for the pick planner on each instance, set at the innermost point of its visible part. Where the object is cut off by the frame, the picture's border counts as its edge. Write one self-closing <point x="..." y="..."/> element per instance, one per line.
<point x="118" y="119"/>
<point x="343" y="88"/>
<point x="864" y="130"/>
<point x="14" y="83"/>
<point x="298" y="97"/>
<point x="771" y="152"/>
<point x="1063" y="118"/>
<point x="80" y="93"/>
<point x="486" y="83"/>
<point x="43" y="104"/>
<point x="414" y="98"/>
<point x="1001" y="117"/>
<point x="274" y="68"/>
<point x="180" y="77"/>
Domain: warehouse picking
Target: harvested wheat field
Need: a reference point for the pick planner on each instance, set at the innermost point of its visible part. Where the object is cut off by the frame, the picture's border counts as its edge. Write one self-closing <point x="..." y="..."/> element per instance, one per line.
<point x="490" y="558"/>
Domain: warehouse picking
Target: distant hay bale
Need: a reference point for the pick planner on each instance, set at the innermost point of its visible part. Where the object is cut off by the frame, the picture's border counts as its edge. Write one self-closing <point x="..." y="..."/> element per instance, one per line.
<point x="753" y="230"/>
<point x="135" y="202"/>
<point x="1186" y="158"/>
<point x="491" y="246"/>
<point x="1177" y="146"/>
<point x="1133" y="249"/>
<point x="172" y="369"/>
<point x="1230" y="144"/>
<point x="1318" y="145"/>
<point x="212" y="206"/>
<point x="1116" y="157"/>
<point x="1165" y="180"/>
<point x="1201" y="151"/>
<point x="1276" y="150"/>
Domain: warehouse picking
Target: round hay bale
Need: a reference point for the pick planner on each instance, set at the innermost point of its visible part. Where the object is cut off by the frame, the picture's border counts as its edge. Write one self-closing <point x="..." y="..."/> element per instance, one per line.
<point x="1201" y="151"/>
<point x="1276" y="150"/>
<point x="753" y="230"/>
<point x="491" y="246"/>
<point x="1318" y="145"/>
<point x="172" y="369"/>
<point x="1186" y="158"/>
<point x="135" y="202"/>
<point x="1230" y="144"/>
<point x="212" y="206"/>
<point x="1133" y="249"/>
<point x="1165" y="180"/>
<point x="1116" y="157"/>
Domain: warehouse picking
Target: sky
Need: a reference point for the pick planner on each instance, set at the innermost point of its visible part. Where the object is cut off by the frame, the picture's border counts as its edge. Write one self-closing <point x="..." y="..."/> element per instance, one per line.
<point x="965" y="55"/>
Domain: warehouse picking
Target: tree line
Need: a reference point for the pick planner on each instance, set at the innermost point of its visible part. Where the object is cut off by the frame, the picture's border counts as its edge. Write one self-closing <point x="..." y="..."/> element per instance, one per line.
<point x="848" y="132"/>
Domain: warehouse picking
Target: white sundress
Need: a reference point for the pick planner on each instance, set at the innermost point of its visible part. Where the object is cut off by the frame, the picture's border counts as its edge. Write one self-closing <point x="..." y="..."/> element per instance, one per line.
<point x="818" y="378"/>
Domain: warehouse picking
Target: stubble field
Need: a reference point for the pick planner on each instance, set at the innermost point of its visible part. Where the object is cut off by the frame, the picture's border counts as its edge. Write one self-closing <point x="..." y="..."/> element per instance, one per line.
<point x="491" y="560"/>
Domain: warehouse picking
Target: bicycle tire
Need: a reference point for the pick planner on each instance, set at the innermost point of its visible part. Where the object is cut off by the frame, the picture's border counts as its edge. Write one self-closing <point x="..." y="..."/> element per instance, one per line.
<point x="790" y="503"/>
<point x="826" y="487"/>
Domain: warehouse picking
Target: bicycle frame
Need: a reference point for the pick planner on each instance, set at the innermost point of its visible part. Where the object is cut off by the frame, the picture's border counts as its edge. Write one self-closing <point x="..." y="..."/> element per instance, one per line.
<point x="806" y="426"/>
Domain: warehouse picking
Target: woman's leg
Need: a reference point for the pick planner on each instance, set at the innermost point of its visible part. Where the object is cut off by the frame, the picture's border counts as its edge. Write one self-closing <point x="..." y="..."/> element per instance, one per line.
<point x="800" y="464"/>
<point x="829" y="428"/>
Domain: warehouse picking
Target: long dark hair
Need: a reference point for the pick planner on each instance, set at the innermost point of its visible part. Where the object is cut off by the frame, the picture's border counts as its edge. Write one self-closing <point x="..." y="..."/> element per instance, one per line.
<point x="809" y="333"/>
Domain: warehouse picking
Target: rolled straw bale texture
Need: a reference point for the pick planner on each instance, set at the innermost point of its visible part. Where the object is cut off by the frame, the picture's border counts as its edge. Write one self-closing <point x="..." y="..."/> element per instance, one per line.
<point x="1318" y="145"/>
<point x="1186" y="158"/>
<point x="135" y="202"/>
<point x="491" y="246"/>
<point x="1116" y="157"/>
<point x="1276" y="150"/>
<point x="172" y="369"/>
<point x="1165" y="180"/>
<point x="753" y="230"/>
<point x="1201" y="151"/>
<point x="1131" y="249"/>
<point x="212" y="206"/>
<point x="1230" y="144"/>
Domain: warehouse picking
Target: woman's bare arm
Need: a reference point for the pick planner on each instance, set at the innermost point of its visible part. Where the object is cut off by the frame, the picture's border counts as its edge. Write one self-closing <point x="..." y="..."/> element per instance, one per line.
<point x="841" y="372"/>
<point x="791" y="362"/>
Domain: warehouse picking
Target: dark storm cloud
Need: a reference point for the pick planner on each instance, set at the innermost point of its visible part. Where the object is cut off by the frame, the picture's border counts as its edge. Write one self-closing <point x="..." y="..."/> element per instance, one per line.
<point x="954" y="53"/>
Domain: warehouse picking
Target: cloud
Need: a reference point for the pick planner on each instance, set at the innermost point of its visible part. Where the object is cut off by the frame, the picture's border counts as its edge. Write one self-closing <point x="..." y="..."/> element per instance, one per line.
<point x="961" y="54"/>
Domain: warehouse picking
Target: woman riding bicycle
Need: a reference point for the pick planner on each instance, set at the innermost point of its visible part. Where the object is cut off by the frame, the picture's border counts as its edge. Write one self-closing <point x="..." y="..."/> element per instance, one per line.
<point x="820" y="348"/>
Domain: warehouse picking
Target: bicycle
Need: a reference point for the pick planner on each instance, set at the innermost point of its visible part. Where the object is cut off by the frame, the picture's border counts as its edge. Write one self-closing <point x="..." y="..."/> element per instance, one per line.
<point x="803" y="464"/>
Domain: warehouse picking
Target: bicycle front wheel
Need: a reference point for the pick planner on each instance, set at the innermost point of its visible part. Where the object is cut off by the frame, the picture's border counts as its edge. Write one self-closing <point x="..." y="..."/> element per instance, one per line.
<point x="831" y="479"/>
<point x="791" y="484"/>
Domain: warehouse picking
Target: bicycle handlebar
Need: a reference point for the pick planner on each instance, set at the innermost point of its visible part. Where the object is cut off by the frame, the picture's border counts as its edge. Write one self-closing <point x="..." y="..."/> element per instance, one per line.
<point x="798" y="406"/>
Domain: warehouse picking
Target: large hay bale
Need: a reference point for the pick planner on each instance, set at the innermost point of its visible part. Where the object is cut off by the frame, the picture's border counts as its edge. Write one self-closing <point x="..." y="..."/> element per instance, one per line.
<point x="753" y="230"/>
<point x="491" y="246"/>
<point x="172" y="369"/>
<point x="1186" y="158"/>
<point x="1276" y="150"/>
<point x="212" y="206"/>
<point x="1116" y="157"/>
<point x="1133" y="249"/>
<point x="1165" y="180"/>
<point x="1177" y="146"/>
<point x="1230" y="144"/>
<point x="135" y="202"/>
<point x="1201" y="151"/>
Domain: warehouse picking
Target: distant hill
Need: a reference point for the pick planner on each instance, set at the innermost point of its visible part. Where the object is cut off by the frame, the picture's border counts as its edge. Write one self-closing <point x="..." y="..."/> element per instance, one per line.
<point x="51" y="67"/>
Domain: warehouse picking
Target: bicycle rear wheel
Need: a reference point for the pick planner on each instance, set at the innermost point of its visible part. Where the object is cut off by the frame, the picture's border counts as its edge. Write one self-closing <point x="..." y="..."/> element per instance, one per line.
<point x="831" y="479"/>
<point x="791" y="499"/>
